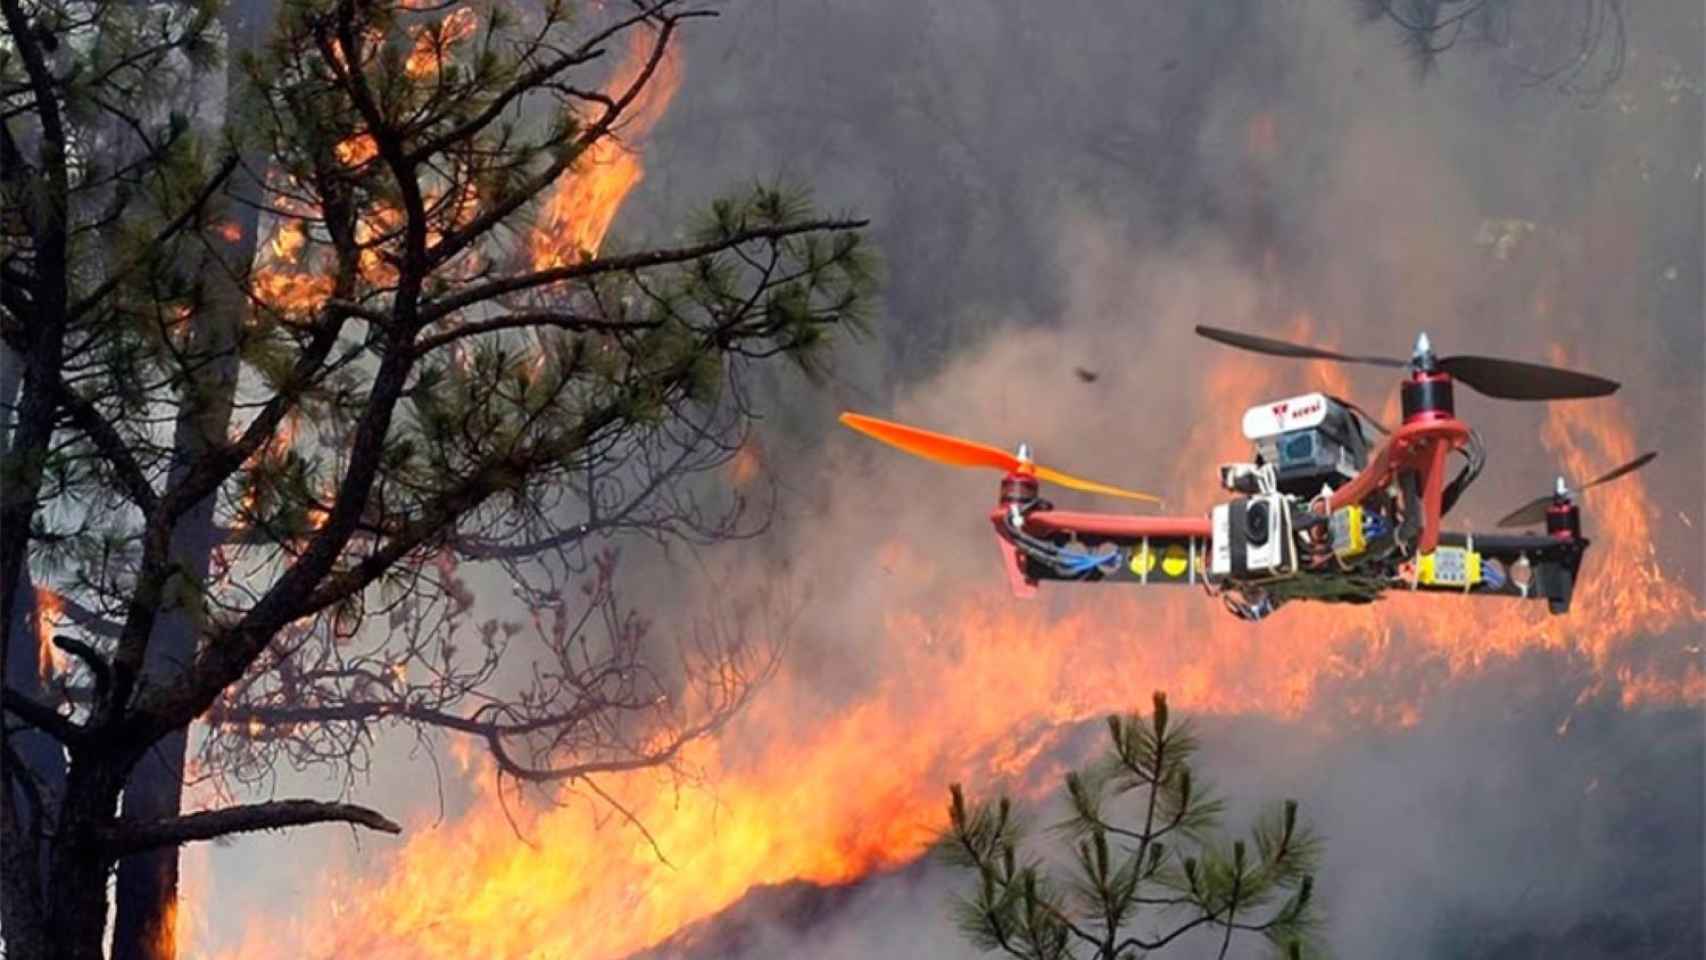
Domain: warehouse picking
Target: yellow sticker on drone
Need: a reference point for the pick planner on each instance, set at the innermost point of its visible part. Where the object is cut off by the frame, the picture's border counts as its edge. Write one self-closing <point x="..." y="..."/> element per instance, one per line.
<point x="1142" y="560"/>
<point x="1175" y="560"/>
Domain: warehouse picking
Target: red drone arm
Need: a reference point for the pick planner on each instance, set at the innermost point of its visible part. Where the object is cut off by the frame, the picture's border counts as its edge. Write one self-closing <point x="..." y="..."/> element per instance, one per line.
<point x="1421" y="446"/>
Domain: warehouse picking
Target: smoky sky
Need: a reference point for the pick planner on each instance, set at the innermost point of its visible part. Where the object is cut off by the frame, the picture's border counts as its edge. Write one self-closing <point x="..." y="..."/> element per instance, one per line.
<point x="1073" y="185"/>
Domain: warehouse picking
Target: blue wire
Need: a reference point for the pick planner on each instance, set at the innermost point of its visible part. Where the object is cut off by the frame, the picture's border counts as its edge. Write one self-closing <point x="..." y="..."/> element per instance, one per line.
<point x="1076" y="563"/>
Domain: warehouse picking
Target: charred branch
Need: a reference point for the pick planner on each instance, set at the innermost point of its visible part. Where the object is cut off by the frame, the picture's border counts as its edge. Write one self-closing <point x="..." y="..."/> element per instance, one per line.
<point x="92" y="659"/>
<point x="43" y="718"/>
<point x="128" y="838"/>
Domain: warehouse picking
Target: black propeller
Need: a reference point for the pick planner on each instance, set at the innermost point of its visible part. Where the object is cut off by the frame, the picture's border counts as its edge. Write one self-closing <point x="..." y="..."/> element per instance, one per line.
<point x="1534" y="511"/>
<point x="1504" y="379"/>
<point x="1280" y="348"/>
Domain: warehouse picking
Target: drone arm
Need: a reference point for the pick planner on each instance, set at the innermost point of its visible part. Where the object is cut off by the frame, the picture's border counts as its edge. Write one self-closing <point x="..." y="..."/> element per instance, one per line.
<point x="1523" y="566"/>
<point x="1024" y="586"/>
<point x="1422" y="447"/>
<point x="1094" y="547"/>
<point x="1114" y="526"/>
<point x="1433" y="458"/>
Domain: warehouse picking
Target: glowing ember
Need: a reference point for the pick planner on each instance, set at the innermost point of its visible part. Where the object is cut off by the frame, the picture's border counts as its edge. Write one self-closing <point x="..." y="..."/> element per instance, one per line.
<point x="292" y="293"/>
<point x="167" y="946"/>
<point x="178" y="325"/>
<point x="746" y="463"/>
<point x="50" y="660"/>
<point x="356" y="150"/>
<point x="580" y="209"/>
<point x="374" y="233"/>
<point x="288" y="240"/>
<point x="431" y="47"/>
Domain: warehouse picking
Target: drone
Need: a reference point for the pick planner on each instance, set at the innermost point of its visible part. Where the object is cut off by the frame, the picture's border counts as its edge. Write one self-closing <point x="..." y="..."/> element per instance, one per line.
<point x="1334" y="507"/>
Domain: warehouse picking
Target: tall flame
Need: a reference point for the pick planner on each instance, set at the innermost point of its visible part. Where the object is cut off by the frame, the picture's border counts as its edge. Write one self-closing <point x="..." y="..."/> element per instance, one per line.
<point x="979" y="689"/>
<point x="973" y="688"/>
<point x="576" y="215"/>
<point x="582" y="205"/>
<point x="50" y="606"/>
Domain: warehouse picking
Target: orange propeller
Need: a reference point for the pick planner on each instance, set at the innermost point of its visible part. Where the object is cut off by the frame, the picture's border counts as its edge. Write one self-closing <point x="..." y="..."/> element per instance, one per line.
<point x="956" y="452"/>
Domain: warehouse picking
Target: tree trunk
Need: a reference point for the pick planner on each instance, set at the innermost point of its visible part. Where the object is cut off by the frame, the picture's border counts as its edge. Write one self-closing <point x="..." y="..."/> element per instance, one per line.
<point x="77" y="906"/>
<point x="147" y="887"/>
<point x="24" y="814"/>
<point x="29" y="814"/>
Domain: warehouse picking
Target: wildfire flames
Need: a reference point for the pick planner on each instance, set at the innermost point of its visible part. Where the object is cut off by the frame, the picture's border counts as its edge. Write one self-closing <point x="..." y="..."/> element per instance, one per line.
<point x="836" y="794"/>
<point x="575" y="217"/>
<point x="580" y="209"/>
<point x="49" y="658"/>
<point x="357" y="150"/>
<point x="431" y="43"/>
<point x="975" y="688"/>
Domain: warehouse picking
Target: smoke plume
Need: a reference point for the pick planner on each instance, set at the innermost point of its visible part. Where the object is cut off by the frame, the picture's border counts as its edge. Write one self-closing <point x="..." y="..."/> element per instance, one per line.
<point x="1062" y="188"/>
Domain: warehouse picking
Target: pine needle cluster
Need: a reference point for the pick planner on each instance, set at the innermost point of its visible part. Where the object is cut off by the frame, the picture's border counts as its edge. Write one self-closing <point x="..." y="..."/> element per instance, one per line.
<point x="1140" y="862"/>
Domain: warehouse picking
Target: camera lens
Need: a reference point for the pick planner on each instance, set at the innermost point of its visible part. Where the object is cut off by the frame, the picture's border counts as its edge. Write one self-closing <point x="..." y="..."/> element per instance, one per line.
<point x="1299" y="449"/>
<point x="1256" y="523"/>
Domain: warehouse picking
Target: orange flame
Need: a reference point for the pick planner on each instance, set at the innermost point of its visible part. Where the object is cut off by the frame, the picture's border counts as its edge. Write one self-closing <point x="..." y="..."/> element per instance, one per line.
<point x="167" y="943"/>
<point x="746" y="464"/>
<point x="357" y="150"/>
<point x="288" y="240"/>
<point x="837" y="792"/>
<point x="50" y="606"/>
<point x="373" y="232"/>
<point x="294" y="294"/>
<point x="431" y="46"/>
<point x="272" y="452"/>
<point x="584" y="202"/>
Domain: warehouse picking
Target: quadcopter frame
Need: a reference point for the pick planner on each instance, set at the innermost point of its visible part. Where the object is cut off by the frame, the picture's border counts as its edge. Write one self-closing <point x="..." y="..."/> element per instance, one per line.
<point x="1041" y="543"/>
<point x="1378" y="529"/>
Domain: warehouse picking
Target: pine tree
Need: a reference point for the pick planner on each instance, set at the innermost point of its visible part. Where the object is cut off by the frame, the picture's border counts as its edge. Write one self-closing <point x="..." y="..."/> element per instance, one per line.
<point x="1146" y="863"/>
<point x="249" y="483"/>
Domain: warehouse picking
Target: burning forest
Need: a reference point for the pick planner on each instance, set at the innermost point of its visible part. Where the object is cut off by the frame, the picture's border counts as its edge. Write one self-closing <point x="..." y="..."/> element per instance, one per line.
<point x="408" y="427"/>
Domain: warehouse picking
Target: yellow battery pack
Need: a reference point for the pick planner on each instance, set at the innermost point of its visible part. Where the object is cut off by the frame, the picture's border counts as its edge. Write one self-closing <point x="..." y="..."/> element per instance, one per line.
<point x="1346" y="528"/>
<point x="1449" y="567"/>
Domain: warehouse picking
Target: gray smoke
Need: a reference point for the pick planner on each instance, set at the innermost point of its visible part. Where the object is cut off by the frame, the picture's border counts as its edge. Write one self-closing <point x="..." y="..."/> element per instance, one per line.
<point x="1074" y="185"/>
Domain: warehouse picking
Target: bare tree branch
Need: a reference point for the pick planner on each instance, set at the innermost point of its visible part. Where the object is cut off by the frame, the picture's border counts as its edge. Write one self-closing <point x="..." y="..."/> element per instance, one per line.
<point x="43" y="717"/>
<point x="128" y="837"/>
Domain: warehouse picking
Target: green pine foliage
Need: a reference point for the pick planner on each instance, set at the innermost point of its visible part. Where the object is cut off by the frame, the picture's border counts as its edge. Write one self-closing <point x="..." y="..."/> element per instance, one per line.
<point x="1141" y="862"/>
<point x="280" y="292"/>
<point x="412" y="194"/>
